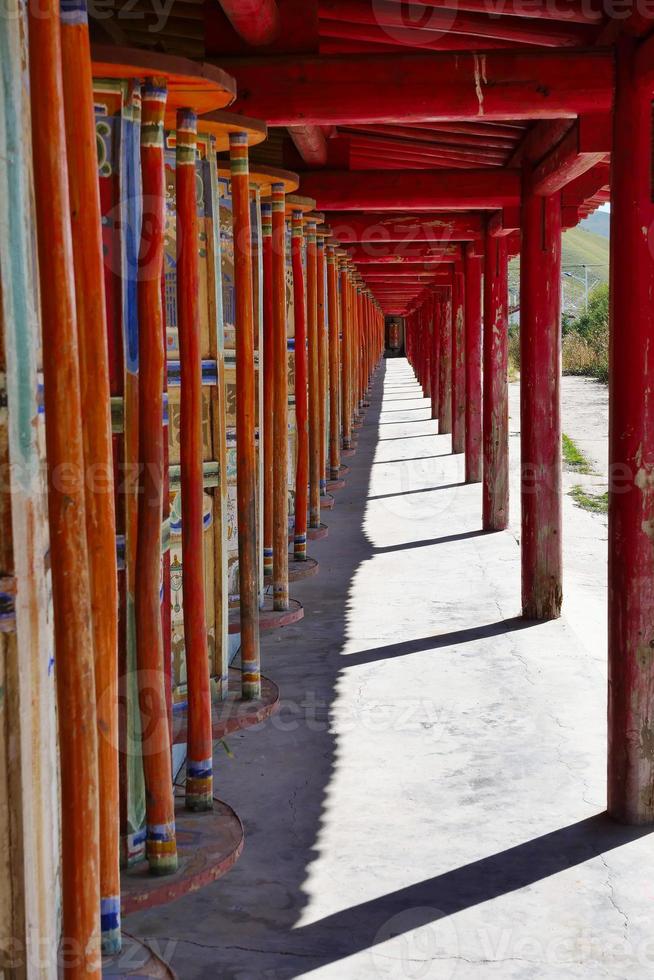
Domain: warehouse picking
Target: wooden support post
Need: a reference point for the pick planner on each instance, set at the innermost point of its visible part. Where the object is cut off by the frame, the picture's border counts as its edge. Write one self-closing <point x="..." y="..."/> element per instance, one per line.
<point x="540" y="414"/>
<point x="473" y="412"/>
<point x="71" y="586"/>
<point x="313" y="372"/>
<point x="323" y="367"/>
<point x="445" y="365"/>
<point x="631" y="451"/>
<point x="161" y="847"/>
<point x="268" y="388"/>
<point x="495" y="493"/>
<point x="84" y="193"/>
<point x="280" y="399"/>
<point x="199" y="764"/>
<point x="334" y="365"/>
<point x="346" y="376"/>
<point x="434" y="318"/>
<point x="301" y="393"/>
<point x="458" y="362"/>
<point x="246" y="462"/>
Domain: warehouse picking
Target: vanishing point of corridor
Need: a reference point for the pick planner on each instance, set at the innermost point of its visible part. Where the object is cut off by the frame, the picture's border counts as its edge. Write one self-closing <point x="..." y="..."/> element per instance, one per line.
<point x="429" y="800"/>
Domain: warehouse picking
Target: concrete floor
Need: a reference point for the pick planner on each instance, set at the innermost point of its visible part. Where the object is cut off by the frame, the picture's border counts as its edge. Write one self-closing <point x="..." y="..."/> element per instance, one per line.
<point x="429" y="801"/>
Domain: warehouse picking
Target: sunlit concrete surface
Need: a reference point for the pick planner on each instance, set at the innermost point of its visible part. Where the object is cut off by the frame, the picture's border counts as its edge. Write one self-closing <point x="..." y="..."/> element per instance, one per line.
<point x="429" y="802"/>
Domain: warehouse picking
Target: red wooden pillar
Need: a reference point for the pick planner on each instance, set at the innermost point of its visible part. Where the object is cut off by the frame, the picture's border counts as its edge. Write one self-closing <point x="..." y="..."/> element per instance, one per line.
<point x="268" y="388"/>
<point x="301" y="396"/>
<point x="199" y="764"/>
<point x="434" y="314"/>
<point x="280" y="399"/>
<point x="314" y="376"/>
<point x="473" y="364"/>
<point x="540" y="415"/>
<point x="445" y="363"/>
<point x="81" y="148"/>
<point x="323" y="368"/>
<point x="631" y="451"/>
<point x="495" y="491"/>
<point x="245" y="419"/>
<point x="161" y="847"/>
<point x="71" y="587"/>
<point x="334" y="365"/>
<point x="458" y="361"/>
<point x="346" y="374"/>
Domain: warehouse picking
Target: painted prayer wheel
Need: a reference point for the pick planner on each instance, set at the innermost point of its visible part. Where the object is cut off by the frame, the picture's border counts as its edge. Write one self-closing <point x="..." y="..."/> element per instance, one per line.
<point x="134" y="267"/>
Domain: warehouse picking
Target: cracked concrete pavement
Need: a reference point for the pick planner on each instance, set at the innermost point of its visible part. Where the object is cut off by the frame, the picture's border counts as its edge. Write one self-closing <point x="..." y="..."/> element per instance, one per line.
<point x="429" y="801"/>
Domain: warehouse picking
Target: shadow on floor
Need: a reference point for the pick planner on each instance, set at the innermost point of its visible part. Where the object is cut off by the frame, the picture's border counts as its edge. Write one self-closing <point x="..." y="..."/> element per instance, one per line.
<point x="249" y="925"/>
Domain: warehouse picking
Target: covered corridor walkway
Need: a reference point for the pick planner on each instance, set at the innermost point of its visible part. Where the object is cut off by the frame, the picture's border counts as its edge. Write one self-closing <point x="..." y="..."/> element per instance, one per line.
<point x="429" y="800"/>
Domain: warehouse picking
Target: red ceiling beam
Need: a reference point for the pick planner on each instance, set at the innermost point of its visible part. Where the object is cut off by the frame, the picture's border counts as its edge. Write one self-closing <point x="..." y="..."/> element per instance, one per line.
<point x="435" y="23"/>
<point x="372" y="34"/>
<point x="424" y="152"/>
<point x="427" y="138"/>
<point x="408" y="270"/>
<point x="394" y="254"/>
<point x="570" y="11"/>
<point x="459" y="190"/>
<point x="587" y="144"/>
<point x="404" y="229"/>
<point x="421" y="87"/>
<point x="257" y="22"/>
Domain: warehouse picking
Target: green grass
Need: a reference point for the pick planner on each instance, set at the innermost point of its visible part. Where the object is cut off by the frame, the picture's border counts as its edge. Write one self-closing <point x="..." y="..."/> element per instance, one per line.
<point x="574" y="457"/>
<point x="595" y="503"/>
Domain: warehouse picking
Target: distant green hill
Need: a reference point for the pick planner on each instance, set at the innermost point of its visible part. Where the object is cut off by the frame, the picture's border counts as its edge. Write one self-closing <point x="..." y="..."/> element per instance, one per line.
<point x="580" y="249"/>
<point x="599" y="223"/>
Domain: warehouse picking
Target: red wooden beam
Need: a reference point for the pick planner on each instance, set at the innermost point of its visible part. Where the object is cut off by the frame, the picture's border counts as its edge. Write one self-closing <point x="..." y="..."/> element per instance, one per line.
<point x="457" y="190"/>
<point x="310" y="143"/>
<point x="570" y="11"/>
<point x="361" y="89"/>
<point x="404" y="228"/>
<point x="421" y="151"/>
<point x="587" y="144"/>
<point x="382" y="37"/>
<point x="437" y="22"/>
<point x="255" y="21"/>
<point x="406" y="255"/>
<point x="445" y="140"/>
<point x="504" y="222"/>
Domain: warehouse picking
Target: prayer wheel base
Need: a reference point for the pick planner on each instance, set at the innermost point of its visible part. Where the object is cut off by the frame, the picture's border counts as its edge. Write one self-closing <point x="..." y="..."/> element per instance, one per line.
<point x="269" y="618"/>
<point x="232" y="714"/>
<point x="314" y="533"/>
<point x="136" y="959"/>
<point x="298" y="570"/>
<point x="333" y="485"/>
<point x="327" y="502"/>
<point x="208" y="845"/>
<point x="351" y="451"/>
<point x="344" y="470"/>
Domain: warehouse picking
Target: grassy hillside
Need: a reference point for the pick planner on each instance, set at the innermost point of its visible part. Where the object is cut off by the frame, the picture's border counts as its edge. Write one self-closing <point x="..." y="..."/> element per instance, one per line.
<point x="599" y="223"/>
<point x="580" y="248"/>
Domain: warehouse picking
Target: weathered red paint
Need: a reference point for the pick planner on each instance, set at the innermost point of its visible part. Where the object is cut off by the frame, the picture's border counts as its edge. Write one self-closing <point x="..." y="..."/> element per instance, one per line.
<point x="280" y="398"/>
<point x="301" y="390"/>
<point x="334" y="365"/>
<point x="473" y="410"/>
<point x="199" y="785"/>
<point x="345" y="190"/>
<point x="161" y="846"/>
<point x="245" y="419"/>
<point x="81" y="148"/>
<point x="256" y="21"/>
<point x="268" y="388"/>
<point x="631" y="454"/>
<point x="458" y="362"/>
<point x="351" y="89"/>
<point x="71" y="585"/>
<point x="540" y="414"/>
<point x="445" y="362"/>
<point x="495" y="491"/>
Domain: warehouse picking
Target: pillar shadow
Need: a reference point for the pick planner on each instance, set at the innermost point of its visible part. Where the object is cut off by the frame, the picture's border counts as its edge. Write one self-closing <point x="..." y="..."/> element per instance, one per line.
<point x="249" y="925"/>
